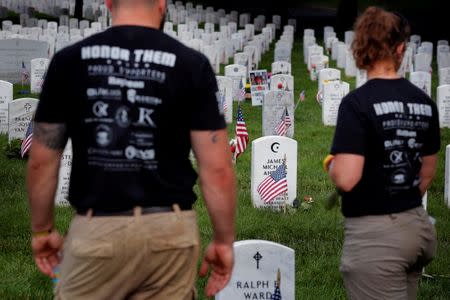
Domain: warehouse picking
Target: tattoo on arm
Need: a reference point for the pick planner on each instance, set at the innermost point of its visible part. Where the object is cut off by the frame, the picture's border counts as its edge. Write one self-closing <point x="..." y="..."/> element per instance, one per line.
<point x="53" y="135"/>
<point x="214" y="137"/>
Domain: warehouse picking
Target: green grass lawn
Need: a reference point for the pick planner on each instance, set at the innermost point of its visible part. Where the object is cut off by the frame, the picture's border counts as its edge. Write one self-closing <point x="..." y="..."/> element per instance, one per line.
<point x="316" y="235"/>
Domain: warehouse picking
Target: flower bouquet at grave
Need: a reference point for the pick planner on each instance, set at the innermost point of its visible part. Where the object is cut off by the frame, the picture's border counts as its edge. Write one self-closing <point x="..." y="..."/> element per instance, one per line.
<point x="248" y="94"/>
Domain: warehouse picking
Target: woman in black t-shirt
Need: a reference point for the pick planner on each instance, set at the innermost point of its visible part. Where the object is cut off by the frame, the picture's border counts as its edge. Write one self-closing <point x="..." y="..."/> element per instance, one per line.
<point x="384" y="159"/>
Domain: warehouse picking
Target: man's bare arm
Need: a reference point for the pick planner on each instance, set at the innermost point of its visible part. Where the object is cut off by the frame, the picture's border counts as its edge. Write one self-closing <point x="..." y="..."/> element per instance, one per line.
<point x="48" y="144"/>
<point x="346" y="171"/>
<point x="217" y="180"/>
<point x="427" y="171"/>
<point x="218" y="184"/>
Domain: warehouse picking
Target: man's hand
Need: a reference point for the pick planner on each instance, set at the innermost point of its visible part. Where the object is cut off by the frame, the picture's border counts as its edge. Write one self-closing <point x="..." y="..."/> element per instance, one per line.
<point x="46" y="251"/>
<point x="221" y="259"/>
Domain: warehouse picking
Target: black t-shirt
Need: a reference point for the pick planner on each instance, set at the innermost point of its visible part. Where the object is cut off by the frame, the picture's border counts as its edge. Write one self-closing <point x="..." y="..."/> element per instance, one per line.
<point x="392" y="123"/>
<point x="130" y="97"/>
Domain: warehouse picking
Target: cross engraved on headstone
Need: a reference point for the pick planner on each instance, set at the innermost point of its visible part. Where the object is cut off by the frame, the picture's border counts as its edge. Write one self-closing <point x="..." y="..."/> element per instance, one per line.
<point x="27" y="107"/>
<point x="257" y="257"/>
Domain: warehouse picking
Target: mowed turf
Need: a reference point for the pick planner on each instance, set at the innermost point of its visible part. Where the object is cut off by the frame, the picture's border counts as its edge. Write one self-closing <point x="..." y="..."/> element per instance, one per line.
<point x="316" y="234"/>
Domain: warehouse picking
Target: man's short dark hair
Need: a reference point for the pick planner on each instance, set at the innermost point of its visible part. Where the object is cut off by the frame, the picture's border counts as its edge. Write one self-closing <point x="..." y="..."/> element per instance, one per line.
<point x="117" y="3"/>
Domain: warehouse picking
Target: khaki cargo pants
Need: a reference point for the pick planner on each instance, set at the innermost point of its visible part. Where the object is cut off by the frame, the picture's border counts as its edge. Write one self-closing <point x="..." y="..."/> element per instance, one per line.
<point x="383" y="256"/>
<point x="152" y="256"/>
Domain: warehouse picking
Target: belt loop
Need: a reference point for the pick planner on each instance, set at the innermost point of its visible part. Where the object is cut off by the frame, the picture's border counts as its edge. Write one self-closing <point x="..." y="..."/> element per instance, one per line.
<point x="89" y="213"/>
<point x="138" y="213"/>
<point x="177" y="210"/>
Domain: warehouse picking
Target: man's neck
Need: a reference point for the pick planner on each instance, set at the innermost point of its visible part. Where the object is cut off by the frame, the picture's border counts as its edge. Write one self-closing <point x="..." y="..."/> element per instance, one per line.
<point x="137" y="18"/>
<point x="384" y="69"/>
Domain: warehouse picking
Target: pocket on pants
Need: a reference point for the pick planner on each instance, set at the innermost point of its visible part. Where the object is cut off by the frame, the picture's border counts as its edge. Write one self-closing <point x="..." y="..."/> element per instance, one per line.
<point x="173" y="242"/>
<point x="91" y="248"/>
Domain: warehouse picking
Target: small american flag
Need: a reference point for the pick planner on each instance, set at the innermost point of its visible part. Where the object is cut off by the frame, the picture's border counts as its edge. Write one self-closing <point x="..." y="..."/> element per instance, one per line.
<point x="273" y="185"/>
<point x="224" y="104"/>
<point x="241" y="133"/>
<point x="241" y="95"/>
<point x="302" y="96"/>
<point x="284" y="124"/>
<point x="24" y="73"/>
<point x="26" y="142"/>
<point x="277" y="294"/>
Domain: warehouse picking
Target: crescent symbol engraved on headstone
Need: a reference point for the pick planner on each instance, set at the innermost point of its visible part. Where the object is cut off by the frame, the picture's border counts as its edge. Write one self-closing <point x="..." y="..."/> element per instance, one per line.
<point x="275" y="147"/>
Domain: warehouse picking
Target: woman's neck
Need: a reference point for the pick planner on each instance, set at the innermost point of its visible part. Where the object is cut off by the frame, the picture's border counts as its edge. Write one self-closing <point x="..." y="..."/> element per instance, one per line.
<point x="384" y="69"/>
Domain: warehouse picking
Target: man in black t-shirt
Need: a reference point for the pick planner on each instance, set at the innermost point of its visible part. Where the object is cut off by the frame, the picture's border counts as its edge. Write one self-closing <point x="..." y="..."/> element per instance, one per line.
<point x="134" y="102"/>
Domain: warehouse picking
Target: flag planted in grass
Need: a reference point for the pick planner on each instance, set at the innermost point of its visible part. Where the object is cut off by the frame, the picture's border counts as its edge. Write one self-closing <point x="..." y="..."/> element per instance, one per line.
<point x="284" y="124"/>
<point x="241" y="133"/>
<point x="26" y="142"/>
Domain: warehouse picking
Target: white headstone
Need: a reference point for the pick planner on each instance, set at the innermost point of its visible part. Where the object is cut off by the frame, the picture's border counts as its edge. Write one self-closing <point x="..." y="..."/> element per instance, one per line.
<point x="422" y="80"/>
<point x="313" y="50"/>
<point x="325" y="76"/>
<point x="274" y="112"/>
<point x="318" y="63"/>
<point x="6" y="96"/>
<point x="326" y="31"/>
<point x="238" y="75"/>
<point x="272" y="154"/>
<point x="211" y="53"/>
<point x="334" y="49"/>
<point x="281" y="67"/>
<point x="242" y="59"/>
<point x="341" y="55"/>
<point x="255" y="271"/>
<point x="444" y="60"/>
<point x="350" y="65"/>
<point x="428" y="47"/>
<point x="361" y="77"/>
<point x="447" y="176"/>
<point x="308" y="32"/>
<point x="38" y="69"/>
<point x="293" y="22"/>
<point x="441" y="51"/>
<point x="443" y="104"/>
<point x="20" y="114"/>
<point x="65" y="167"/>
<point x="349" y="35"/>
<point x="333" y="92"/>
<point x="252" y="53"/>
<point x="415" y="39"/>
<point x="308" y="41"/>
<point x="329" y="45"/>
<point x="444" y="76"/>
<point x="244" y="19"/>
<point x="422" y="62"/>
<point x="225" y="85"/>
<point x="282" y="54"/>
<point x="283" y="82"/>
<point x="276" y="19"/>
